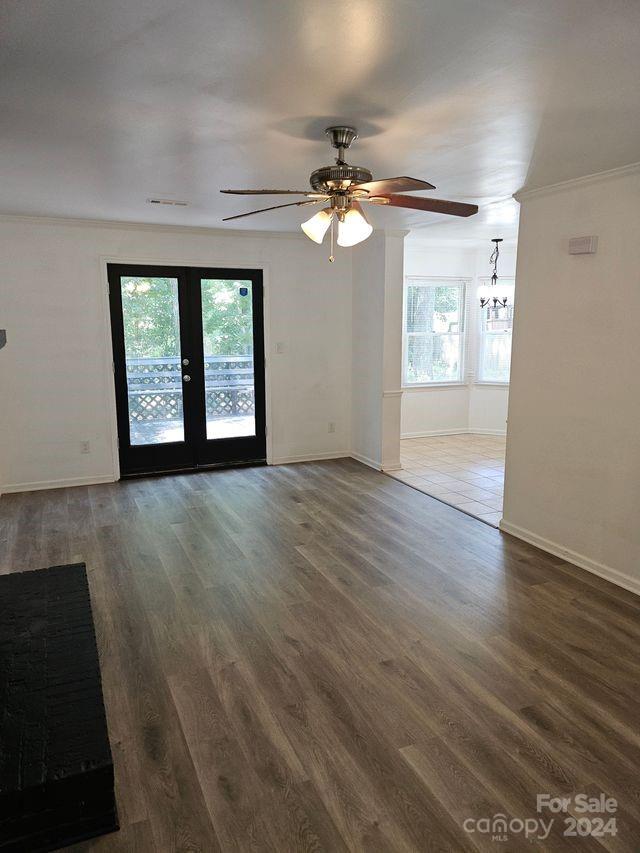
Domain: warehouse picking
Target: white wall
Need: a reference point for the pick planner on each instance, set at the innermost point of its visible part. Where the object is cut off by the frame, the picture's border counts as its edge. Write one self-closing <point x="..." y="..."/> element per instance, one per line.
<point x="470" y="406"/>
<point x="377" y="349"/>
<point x="436" y="411"/>
<point x="487" y="410"/>
<point x="392" y="354"/>
<point x="367" y="349"/>
<point x="573" y="446"/>
<point x="55" y="372"/>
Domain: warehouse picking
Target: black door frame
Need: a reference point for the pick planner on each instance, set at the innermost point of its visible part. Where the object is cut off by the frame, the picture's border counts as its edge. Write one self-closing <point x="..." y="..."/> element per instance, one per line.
<point x="196" y="451"/>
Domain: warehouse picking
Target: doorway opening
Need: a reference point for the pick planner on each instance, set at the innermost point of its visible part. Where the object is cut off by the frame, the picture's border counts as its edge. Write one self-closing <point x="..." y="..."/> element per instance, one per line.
<point x="457" y="329"/>
<point x="188" y="357"/>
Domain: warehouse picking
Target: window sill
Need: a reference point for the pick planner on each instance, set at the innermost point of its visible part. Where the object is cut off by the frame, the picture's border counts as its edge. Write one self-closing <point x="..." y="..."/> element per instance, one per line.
<point x="435" y="386"/>
<point x="488" y="384"/>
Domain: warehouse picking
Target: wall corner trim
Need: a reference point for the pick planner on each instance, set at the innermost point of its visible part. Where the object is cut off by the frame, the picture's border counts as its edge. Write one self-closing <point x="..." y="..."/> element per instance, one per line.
<point x="600" y="569"/>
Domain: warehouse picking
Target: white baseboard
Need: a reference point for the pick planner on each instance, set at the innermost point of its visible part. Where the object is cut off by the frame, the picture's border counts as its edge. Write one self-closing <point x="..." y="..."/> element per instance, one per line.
<point x="58" y="484"/>
<point x="465" y="431"/>
<point x="309" y="457"/>
<point x="607" y="572"/>
<point x="365" y="460"/>
<point x="110" y="478"/>
<point x="341" y="454"/>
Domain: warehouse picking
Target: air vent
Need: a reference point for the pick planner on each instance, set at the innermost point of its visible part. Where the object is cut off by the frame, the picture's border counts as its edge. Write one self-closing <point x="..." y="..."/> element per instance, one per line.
<point x="583" y="245"/>
<point x="169" y="201"/>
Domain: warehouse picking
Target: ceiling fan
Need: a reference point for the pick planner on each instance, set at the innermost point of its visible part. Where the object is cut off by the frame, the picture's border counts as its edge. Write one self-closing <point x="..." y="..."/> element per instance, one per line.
<point x="344" y="187"/>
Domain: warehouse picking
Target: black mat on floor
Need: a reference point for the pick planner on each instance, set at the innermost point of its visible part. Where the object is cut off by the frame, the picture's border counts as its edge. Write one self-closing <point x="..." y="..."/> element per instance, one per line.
<point x="56" y="771"/>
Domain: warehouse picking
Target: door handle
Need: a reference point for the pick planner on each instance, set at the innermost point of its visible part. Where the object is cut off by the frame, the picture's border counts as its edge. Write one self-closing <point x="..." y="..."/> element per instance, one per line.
<point x="186" y="378"/>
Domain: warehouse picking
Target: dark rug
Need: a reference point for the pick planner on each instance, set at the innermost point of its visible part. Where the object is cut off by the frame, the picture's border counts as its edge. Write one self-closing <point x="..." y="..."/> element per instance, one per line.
<point x="56" y="770"/>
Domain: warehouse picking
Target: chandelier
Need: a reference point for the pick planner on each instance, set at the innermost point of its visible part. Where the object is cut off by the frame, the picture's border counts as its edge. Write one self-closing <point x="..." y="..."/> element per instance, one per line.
<point x="494" y="301"/>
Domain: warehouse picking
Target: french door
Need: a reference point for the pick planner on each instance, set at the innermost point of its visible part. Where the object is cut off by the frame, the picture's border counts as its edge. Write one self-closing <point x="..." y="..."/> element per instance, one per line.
<point x="188" y="356"/>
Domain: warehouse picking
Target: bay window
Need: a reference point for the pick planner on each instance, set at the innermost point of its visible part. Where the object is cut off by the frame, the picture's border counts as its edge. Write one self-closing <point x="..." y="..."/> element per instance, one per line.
<point x="448" y="339"/>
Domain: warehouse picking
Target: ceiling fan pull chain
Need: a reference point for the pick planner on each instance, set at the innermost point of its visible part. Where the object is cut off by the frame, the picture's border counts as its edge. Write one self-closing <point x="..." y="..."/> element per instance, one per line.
<point x="331" y="257"/>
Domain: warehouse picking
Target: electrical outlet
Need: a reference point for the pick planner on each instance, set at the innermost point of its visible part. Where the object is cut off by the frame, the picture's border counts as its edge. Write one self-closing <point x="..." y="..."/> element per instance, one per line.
<point x="85" y="447"/>
<point x="280" y="347"/>
<point x="332" y="426"/>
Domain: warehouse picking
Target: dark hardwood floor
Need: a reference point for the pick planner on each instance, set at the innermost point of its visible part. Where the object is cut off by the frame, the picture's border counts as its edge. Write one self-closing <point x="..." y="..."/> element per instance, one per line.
<point x="317" y="657"/>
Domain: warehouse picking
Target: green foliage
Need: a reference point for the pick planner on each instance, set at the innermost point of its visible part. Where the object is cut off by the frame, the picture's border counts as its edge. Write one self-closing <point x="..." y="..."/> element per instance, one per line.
<point x="152" y="324"/>
<point x="151" y="320"/>
<point x="227" y="321"/>
<point x="446" y="301"/>
<point x="433" y="321"/>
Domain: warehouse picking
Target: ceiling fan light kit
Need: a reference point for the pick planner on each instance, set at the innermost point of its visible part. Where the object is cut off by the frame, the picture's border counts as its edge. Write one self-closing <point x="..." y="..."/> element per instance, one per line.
<point x="316" y="227"/>
<point x="353" y="226"/>
<point x="344" y="186"/>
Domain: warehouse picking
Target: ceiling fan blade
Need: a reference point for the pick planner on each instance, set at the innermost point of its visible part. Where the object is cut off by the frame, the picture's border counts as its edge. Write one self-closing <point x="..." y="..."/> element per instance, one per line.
<point x="433" y="205"/>
<point x="394" y="185"/>
<point x="267" y="192"/>
<point x="275" y="207"/>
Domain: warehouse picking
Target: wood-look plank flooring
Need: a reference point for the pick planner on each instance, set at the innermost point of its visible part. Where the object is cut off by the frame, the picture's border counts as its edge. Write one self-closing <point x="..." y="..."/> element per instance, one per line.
<point x="318" y="657"/>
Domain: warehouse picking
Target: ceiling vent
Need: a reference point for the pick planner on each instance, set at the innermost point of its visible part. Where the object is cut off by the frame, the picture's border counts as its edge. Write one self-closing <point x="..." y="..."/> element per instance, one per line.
<point x="168" y="201"/>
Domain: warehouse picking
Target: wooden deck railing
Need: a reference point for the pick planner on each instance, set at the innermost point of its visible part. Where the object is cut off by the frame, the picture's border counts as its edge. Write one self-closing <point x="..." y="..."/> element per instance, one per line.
<point x="155" y="387"/>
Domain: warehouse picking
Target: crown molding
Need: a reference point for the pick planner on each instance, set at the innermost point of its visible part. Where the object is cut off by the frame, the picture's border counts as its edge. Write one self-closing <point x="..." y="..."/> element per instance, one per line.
<point x="585" y="180"/>
<point x="120" y="224"/>
<point x="164" y="227"/>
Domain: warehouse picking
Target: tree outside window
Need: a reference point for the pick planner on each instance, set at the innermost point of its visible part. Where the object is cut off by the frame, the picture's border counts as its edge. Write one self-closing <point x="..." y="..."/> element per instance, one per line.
<point x="434" y="329"/>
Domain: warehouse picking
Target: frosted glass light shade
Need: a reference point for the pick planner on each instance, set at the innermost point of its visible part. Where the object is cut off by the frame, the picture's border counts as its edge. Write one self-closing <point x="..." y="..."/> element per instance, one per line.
<point x="354" y="228"/>
<point x="316" y="227"/>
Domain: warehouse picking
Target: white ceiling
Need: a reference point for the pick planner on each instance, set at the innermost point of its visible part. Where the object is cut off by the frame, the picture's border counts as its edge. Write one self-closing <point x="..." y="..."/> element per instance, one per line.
<point x="105" y="103"/>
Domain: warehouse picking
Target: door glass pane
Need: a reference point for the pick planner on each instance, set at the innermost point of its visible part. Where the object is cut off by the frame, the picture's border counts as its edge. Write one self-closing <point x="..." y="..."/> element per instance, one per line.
<point x="151" y="318"/>
<point x="227" y="325"/>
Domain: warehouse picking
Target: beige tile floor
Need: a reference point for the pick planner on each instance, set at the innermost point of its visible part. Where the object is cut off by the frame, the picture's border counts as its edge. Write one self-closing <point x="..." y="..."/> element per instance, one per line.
<point x="466" y="471"/>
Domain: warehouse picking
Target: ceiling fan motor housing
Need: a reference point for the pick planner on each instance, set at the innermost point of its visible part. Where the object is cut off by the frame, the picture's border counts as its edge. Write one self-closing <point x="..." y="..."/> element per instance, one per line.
<point x="338" y="177"/>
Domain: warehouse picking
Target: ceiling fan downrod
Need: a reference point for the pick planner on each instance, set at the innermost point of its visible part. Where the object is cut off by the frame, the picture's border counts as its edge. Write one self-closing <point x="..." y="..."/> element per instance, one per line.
<point x="341" y="177"/>
<point x="341" y="138"/>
